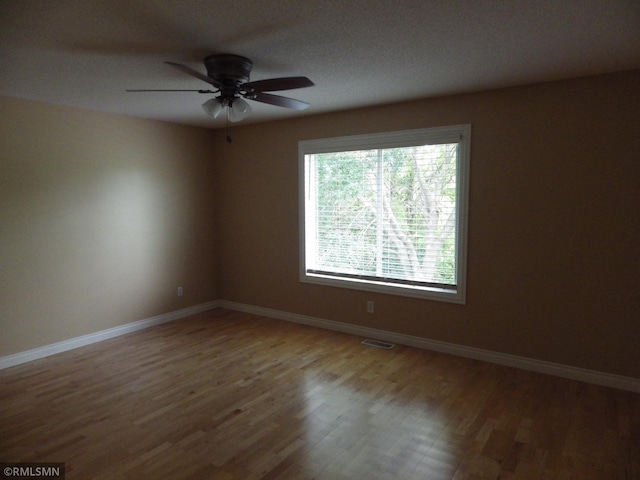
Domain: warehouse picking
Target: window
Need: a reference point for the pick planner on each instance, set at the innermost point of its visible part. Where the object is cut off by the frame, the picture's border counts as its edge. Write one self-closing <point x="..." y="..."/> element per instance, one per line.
<point x="387" y="212"/>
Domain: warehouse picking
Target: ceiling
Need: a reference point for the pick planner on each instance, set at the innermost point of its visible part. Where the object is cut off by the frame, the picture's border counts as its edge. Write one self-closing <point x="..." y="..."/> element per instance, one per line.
<point x="86" y="53"/>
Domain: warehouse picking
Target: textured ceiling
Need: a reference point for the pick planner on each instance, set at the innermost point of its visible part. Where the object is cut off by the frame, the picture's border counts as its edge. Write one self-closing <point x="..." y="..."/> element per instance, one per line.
<point x="86" y="53"/>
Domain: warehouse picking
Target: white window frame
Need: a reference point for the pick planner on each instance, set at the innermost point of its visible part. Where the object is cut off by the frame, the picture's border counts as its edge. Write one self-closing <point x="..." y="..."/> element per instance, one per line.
<point x="460" y="134"/>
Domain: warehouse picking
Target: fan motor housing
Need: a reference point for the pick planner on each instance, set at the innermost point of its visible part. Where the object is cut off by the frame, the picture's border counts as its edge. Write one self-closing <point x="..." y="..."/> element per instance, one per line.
<point x="229" y="70"/>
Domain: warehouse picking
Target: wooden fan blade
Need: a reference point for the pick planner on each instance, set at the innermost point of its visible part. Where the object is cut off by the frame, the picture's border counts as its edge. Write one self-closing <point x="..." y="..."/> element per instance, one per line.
<point x="283" y="83"/>
<point x="171" y="90"/>
<point x="194" y="73"/>
<point x="279" y="101"/>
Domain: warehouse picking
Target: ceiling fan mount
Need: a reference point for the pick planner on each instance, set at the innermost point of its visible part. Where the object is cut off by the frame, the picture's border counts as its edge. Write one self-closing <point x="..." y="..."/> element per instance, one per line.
<point x="229" y="70"/>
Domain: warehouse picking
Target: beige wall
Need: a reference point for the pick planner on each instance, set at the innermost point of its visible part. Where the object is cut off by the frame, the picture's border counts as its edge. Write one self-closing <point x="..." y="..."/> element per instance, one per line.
<point x="553" y="230"/>
<point x="102" y="217"/>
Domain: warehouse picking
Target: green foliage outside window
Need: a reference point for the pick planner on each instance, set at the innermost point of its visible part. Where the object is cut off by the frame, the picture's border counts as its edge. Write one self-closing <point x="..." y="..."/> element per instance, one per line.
<point x="388" y="212"/>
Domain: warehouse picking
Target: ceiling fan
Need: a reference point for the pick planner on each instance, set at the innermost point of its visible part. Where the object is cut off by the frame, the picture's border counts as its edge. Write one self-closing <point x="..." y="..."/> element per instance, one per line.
<point x="229" y="74"/>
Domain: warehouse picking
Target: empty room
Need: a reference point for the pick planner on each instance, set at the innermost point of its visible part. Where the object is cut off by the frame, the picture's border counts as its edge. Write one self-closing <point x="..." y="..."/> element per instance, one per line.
<point x="319" y="240"/>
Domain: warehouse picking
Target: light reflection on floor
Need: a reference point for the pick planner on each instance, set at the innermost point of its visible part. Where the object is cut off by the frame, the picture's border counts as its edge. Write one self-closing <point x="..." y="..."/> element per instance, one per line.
<point x="375" y="429"/>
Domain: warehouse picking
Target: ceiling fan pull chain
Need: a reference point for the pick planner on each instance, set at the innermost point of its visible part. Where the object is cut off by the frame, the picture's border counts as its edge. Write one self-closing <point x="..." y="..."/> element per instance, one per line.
<point x="229" y="139"/>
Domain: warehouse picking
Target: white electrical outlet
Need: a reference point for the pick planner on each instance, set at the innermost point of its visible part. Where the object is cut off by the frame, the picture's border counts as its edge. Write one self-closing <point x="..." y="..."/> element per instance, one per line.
<point x="370" y="306"/>
<point x="180" y="292"/>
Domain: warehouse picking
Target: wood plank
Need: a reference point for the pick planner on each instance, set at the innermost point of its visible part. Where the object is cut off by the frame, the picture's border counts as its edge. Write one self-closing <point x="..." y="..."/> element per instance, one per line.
<point x="232" y="396"/>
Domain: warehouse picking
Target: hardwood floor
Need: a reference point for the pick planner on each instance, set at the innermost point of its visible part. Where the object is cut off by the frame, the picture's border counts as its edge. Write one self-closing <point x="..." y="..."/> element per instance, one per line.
<point x="225" y="395"/>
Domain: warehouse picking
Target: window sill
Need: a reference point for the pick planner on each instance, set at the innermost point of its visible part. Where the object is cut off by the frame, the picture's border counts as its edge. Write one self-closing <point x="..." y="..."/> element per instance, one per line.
<point x="449" y="295"/>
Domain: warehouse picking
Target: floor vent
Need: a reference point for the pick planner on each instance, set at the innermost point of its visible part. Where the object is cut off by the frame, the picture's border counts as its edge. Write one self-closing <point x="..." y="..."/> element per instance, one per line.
<point x="376" y="343"/>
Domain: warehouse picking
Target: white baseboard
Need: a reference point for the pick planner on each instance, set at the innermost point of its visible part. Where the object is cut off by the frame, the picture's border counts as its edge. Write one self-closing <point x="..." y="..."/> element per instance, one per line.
<point x="565" y="371"/>
<point x="40" y="352"/>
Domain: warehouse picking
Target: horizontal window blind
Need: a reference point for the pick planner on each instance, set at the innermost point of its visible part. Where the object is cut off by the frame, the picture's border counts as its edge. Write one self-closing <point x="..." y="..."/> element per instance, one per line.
<point x="388" y="214"/>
